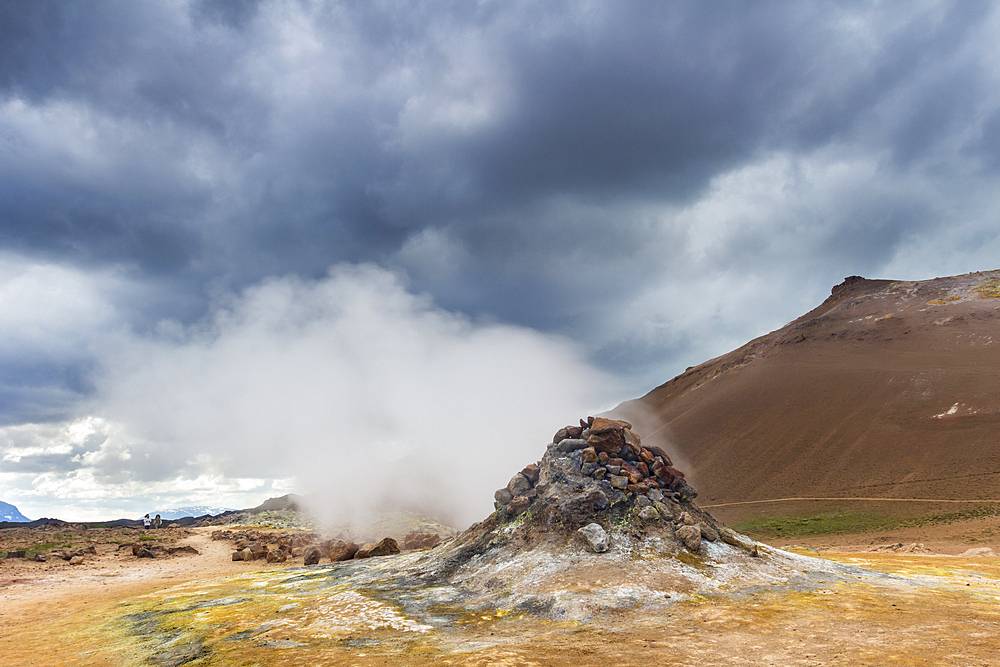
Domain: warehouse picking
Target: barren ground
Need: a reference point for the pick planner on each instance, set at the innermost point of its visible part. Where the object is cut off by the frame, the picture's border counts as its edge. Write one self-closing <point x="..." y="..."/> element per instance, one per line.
<point x="945" y="612"/>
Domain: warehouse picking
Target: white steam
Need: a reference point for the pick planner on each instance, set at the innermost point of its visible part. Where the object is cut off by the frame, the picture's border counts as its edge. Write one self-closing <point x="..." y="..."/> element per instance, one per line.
<point x="363" y="392"/>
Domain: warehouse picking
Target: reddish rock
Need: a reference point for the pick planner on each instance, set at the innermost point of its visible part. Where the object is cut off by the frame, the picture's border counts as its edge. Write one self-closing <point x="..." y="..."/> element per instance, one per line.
<point x="363" y="552"/>
<point x="602" y="425"/>
<point x="276" y="556"/>
<point x="603" y="458"/>
<point x="584" y="425"/>
<point x="675" y="472"/>
<point x="608" y="441"/>
<point x="518" y="505"/>
<point x="186" y="549"/>
<point x="312" y="554"/>
<point x="646" y="456"/>
<point x="531" y="472"/>
<point x="561" y="434"/>
<point x="341" y="551"/>
<point x="589" y="455"/>
<point x="651" y="483"/>
<point x="632" y="441"/>
<point x="237" y="555"/>
<point x="420" y="540"/>
<point x="575" y="431"/>
<point x="92" y="550"/>
<point x="632" y="473"/>
<point x="386" y="547"/>
<point x="616" y="461"/>
<point x="659" y="452"/>
<point x="641" y="467"/>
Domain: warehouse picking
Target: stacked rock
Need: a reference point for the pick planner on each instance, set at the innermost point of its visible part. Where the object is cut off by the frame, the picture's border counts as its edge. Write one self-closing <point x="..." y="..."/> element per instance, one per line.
<point x="613" y="454"/>
<point x="519" y="493"/>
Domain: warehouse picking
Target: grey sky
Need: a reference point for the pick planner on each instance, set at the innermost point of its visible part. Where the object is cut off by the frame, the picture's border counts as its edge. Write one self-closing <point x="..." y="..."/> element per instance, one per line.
<point x="648" y="183"/>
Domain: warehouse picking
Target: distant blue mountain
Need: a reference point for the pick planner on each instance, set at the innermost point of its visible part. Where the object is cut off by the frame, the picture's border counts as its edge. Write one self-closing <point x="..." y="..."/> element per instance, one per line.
<point x="195" y="510"/>
<point x="10" y="513"/>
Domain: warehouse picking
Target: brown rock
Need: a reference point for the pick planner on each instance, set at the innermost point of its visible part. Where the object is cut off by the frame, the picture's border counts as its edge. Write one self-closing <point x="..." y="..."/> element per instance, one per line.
<point x="589" y="455"/>
<point x="16" y="554"/>
<point x="312" y="554"/>
<point x="632" y="473"/>
<point x="386" y="547"/>
<point x="76" y="560"/>
<point x="92" y="550"/>
<point x="637" y="488"/>
<point x="420" y="540"/>
<point x="518" y="505"/>
<point x="616" y="461"/>
<point x="618" y="481"/>
<point x="660" y="470"/>
<point x="601" y="425"/>
<point x="651" y="482"/>
<point x="690" y="536"/>
<point x="39" y="558"/>
<point x="707" y="532"/>
<point x="609" y="441"/>
<point x="675" y="472"/>
<point x="237" y="555"/>
<point x="659" y="452"/>
<point x="145" y="553"/>
<point x="531" y="472"/>
<point x="641" y="467"/>
<point x="584" y="425"/>
<point x="632" y="440"/>
<point x="363" y="552"/>
<point x="603" y="458"/>
<point x="341" y="551"/>
<point x="575" y="431"/>
<point x="277" y="556"/>
<point x="503" y="496"/>
<point x="186" y="549"/>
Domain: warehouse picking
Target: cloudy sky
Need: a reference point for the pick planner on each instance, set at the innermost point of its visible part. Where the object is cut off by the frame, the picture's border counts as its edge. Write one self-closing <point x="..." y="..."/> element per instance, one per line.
<point x="383" y="251"/>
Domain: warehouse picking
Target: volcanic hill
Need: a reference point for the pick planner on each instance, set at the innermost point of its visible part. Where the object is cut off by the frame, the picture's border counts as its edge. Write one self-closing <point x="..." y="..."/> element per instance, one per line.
<point x="886" y="390"/>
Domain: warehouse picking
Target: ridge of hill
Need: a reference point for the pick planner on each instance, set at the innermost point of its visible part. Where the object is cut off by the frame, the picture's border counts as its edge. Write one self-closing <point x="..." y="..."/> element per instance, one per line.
<point x="888" y="389"/>
<point x="11" y="514"/>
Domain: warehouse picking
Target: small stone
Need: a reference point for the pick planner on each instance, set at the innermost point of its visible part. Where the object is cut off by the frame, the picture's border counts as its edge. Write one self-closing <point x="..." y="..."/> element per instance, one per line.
<point x="571" y="445"/>
<point x="618" y="482"/>
<point x="518" y="485"/>
<point x="40" y="558"/>
<point x="287" y="607"/>
<point x="518" y="505"/>
<point x="668" y="511"/>
<point x="588" y="468"/>
<point x="602" y="457"/>
<point x="632" y="473"/>
<point x="633" y="441"/>
<point x="276" y="556"/>
<point x="531" y="472"/>
<point x="643" y="501"/>
<point x="237" y="555"/>
<point x="575" y="432"/>
<point x="608" y="441"/>
<point x="503" y="496"/>
<point x="561" y="435"/>
<point x="600" y="473"/>
<point x="690" y="536"/>
<point x="687" y="519"/>
<point x="649" y="513"/>
<point x="656" y="494"/>
<point x="660" y="453"/>
<point x="589" y="455"/>
<point x="613" y="470"/>
<point x="76" y="560"/>
<point x="646" y="456"/>
<point x="732" y="538"/>
<point x="596" y="537"/>
<point x="707" y="532"/>
<point x="616" y="461"/>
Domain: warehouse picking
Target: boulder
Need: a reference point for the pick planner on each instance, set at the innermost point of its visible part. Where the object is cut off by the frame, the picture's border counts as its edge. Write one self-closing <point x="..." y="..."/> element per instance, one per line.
<point x="602" y="425"/>
<point x="595" y="536"/>
<point x="311" y="555"/>
<point x="364" y="550"/>
<point x="145" y="552"/>
<point x="707" y="532"/>
<point x="76" y="560"/>
<point x="978" y="552"/>
<point x="574" y="432"/>
<point x="92" y="550"/>
<point x="608" y="441"/>
<point x="732" y="538"/>
<point x="16" y="554"/>
<point x="386" y="547"/>
<point x="503" y="496"/>
<point x="186" y="549"/>
<point x="518" y="485"/>
<point x="40" y="558"/>
<point x="690" y="537"/>
<point x="420" y="540"/>
<point x="657" y="451"/>
<point x="277" y="556"/>
<point x="237" y="555"/>
<point x="561" y="435"/>
<point x="341" y="551"/>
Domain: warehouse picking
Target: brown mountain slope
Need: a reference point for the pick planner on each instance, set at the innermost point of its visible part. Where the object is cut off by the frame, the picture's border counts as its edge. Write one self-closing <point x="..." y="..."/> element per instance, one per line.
<point x="887" y="390"/>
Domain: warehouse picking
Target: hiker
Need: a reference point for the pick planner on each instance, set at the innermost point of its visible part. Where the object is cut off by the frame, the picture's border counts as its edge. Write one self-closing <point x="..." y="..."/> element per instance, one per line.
<point x="157" y="522"/>
<point x="146" y="521"/>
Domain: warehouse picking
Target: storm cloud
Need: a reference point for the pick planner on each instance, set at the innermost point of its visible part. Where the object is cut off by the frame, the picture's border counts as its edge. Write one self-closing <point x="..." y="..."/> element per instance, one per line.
<point x="651" y="183"/>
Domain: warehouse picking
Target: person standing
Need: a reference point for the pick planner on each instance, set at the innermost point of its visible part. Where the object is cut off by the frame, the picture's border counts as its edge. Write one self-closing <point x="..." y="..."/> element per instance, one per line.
<point x="157" y="522"/>
<point x="145" y="522"/>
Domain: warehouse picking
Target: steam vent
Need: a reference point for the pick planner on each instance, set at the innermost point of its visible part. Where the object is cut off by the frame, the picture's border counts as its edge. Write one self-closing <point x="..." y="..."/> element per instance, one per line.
<point x="597" y="483"/>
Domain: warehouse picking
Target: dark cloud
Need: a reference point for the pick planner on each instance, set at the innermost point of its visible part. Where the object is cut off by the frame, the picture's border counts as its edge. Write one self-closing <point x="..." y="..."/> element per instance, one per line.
<point x="622" y="174"/>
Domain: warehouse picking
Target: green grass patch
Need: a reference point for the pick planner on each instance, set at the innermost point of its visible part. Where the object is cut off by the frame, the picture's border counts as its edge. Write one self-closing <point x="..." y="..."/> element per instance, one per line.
<point x="147" y="538"/>
<point x="826" y="523"/>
